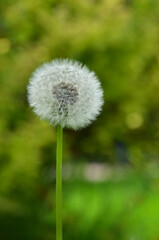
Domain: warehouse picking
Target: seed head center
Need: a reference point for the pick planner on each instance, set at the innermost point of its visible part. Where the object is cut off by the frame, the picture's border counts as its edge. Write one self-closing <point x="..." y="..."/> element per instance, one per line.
<point x="66" y="94"/>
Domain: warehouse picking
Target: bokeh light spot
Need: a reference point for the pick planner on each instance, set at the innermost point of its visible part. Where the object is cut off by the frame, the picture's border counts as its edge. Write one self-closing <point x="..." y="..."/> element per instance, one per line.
<point x="5" y="45"/>
<point x="134" y="120"/>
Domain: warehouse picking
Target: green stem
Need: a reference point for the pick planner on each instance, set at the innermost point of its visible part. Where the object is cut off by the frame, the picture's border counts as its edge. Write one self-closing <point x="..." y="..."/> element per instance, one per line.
<point x="59" y="183"/>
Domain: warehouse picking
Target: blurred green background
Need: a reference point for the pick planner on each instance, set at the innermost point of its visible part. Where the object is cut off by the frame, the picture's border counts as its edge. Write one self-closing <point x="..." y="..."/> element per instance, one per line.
<point x="110" y="169"/>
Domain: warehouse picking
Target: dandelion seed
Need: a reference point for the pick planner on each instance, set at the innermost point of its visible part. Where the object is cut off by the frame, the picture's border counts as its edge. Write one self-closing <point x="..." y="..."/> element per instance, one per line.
<point x="65" y="93"/>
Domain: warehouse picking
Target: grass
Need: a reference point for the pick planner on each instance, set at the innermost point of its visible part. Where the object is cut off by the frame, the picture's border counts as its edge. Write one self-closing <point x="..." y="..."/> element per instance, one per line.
<point x="123" y="206"/>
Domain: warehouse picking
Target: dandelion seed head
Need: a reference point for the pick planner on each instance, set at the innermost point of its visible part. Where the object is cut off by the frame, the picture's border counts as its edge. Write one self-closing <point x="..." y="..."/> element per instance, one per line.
<point x="66" y="93"/>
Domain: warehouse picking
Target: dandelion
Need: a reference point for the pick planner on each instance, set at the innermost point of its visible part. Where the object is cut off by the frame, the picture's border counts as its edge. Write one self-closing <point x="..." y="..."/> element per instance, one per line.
<point x="65" y="93"/>
<point x="68" y="95"/>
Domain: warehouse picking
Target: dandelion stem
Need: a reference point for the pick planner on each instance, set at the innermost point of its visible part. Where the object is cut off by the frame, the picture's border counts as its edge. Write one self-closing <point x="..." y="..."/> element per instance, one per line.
<point x="59" y="183"/>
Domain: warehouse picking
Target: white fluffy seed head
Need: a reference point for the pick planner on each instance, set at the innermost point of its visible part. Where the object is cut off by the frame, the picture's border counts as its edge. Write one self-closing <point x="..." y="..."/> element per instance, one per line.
<point x="65" y="93"/>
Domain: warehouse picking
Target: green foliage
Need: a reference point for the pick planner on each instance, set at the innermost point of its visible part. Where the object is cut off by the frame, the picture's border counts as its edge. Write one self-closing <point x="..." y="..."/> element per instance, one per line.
<point x="118" y="39"/>
<point x="125" y="206"/>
